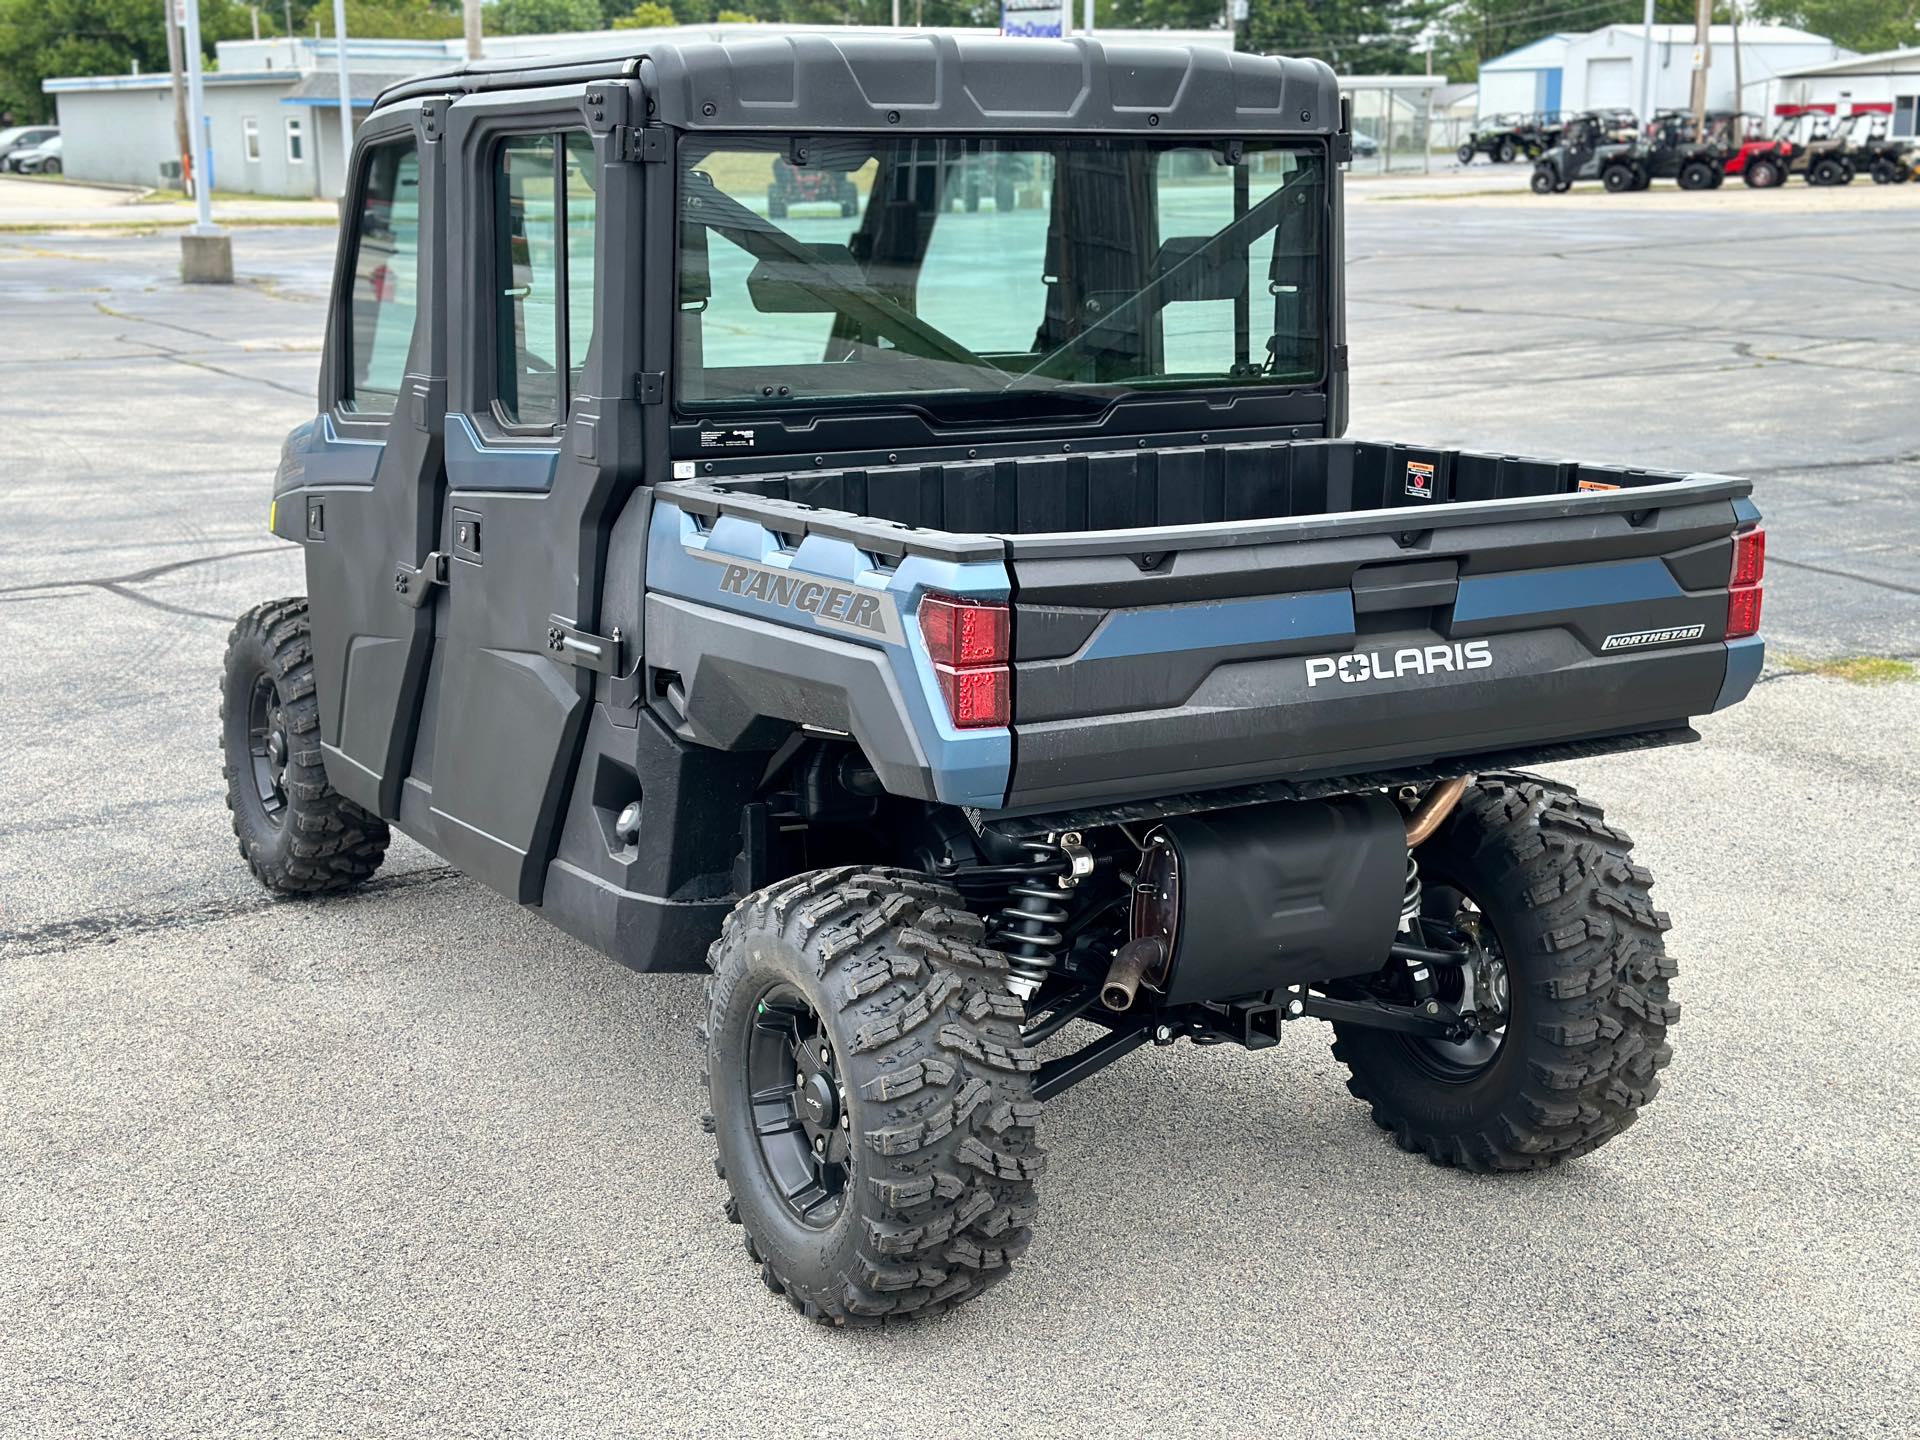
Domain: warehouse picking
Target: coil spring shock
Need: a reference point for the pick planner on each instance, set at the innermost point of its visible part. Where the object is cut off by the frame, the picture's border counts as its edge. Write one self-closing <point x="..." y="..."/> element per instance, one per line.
<point x="1410" y="897"/>
<point x="1031" y="925"/>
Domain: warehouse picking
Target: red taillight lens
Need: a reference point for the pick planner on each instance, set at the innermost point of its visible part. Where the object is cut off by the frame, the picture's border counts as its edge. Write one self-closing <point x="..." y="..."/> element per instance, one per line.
<point x="964" y="632"/>
<point x="976" y="699"/>
<point x="1743" y="613"/>
<point x="969" y="642"/>
<point x="1743" y="585"/>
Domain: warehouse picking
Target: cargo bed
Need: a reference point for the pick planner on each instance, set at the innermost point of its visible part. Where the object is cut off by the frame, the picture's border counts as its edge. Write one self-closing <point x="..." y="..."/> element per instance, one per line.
<point x="1218" y="615"/>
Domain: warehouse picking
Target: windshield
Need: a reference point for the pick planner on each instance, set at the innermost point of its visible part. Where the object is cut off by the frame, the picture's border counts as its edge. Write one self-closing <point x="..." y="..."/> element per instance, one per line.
<point x="971" y="273"/>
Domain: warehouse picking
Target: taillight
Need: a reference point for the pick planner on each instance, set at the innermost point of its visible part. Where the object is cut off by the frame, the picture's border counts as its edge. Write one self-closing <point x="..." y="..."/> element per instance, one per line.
<point x="969" y="642"/>
<point x="1743" y="585"/>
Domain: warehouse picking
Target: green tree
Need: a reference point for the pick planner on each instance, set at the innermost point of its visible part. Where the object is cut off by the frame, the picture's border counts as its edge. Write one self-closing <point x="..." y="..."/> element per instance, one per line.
<point x="43" y="38"/>
<point x="1864" y="25"/>
<point x="543" y="17"/>
<point x="385" y="19"/>
<point x="647" y="15"/>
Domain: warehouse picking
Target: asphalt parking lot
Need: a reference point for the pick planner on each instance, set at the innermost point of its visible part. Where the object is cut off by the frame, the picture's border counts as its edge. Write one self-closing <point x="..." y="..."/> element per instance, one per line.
<point x="412" y="1163"/>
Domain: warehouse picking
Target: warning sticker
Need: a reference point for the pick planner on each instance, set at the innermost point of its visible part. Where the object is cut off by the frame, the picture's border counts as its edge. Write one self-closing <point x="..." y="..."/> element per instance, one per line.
<point x="1597" y="485"/>
<point x="1420" y="479"/>
<point x="726" y="439"/>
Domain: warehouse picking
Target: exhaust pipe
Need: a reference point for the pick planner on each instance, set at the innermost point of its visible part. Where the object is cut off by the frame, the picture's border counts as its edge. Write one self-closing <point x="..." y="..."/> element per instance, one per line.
<point x="1433" y="809"/>
<point x="1131" y="965"/>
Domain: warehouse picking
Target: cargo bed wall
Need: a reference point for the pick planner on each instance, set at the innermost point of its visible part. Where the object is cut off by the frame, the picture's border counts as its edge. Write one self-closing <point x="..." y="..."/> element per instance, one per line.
<point x="1188" y="485"/>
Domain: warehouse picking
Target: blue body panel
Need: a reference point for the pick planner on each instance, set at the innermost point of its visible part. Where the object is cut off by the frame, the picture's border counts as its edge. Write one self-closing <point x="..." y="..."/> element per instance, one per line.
<point x="1163" y="629"/>
<point x="969" y="767"/>
<point x="1534" y="592"/>
<point x="472" y="465"/>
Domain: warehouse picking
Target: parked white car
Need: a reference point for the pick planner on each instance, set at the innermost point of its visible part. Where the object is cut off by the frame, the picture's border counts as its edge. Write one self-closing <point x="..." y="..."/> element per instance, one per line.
<point x="41" y="159"/>
<point x="21" y="138"/>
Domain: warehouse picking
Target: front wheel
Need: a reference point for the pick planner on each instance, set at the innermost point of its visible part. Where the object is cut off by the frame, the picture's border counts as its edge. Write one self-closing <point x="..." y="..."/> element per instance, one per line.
<point x="1618" y="179"/>
<point x="1569" y="968"/>
<point x="1507" y="151"/>
<point x="297" y="834"/>
<point x="1696" y="175"/>
<point x="872" y="1096"/>
<point x="1465" y="154"/>
<point x="1542" y="182"/>
<point x="1763" y="174"/>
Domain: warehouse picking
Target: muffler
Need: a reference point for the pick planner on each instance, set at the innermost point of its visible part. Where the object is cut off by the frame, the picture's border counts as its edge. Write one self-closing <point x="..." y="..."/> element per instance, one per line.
<point x="1243" y="902"/>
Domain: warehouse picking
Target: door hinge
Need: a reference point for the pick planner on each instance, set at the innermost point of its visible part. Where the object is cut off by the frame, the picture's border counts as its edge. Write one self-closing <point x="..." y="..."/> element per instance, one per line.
<point x="650" y="387"/>
<point x="640" y="144"/>
<point x="567" y="641"/>
<point x="413" y="586"/>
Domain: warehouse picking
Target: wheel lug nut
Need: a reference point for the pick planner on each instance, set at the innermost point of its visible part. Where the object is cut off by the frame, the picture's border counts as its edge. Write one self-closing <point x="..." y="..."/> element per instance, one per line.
<point x="820" y="1145"/>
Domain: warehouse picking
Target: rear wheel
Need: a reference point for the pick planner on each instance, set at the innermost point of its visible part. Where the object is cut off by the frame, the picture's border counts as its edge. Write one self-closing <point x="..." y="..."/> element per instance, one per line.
<point x="1569" y="975"/>
<point x="1763" y="174"/>
<point x="1465" y="154"/>
<point x="1696" y="175"/>
<point x="297" y="834"/>
<point x="1618" y="179"/>
<point x="1827" y="171"/>
<point x="872" y="1096"/>
<point x="1883" y="172"/>
<point x="1507" y="151"/>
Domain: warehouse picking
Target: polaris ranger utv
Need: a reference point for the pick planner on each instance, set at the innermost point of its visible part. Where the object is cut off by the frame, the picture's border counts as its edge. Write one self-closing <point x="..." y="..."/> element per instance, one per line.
<point x="965" y="632"/>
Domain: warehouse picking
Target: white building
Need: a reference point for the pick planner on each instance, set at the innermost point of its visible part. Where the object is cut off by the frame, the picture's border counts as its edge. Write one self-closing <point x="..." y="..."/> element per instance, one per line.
<point x="1888" y="81"/>
<point x="1605" y="69"/>
<point x="1527" y="81"/>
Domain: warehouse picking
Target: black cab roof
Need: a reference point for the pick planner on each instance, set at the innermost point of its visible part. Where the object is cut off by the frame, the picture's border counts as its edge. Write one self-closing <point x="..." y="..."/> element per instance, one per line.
<point x="932" y="81"/>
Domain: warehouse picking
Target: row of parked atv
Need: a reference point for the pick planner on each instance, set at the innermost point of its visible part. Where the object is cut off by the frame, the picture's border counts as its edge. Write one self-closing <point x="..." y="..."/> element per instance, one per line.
<point x="1611" y="146"/>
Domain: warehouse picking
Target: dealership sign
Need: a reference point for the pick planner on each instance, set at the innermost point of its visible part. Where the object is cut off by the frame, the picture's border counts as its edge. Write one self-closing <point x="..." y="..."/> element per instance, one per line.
<point x="1031" y="17"/>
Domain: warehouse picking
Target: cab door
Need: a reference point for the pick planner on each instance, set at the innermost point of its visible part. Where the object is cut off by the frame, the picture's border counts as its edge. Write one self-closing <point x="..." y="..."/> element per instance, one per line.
<point x="540" y="387"/>
<point x="372" y="464"/>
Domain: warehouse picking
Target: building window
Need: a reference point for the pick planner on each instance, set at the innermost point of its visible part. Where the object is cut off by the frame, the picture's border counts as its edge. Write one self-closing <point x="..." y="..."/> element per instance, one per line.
<point x="250" y="139"/>
<point x="296" y="140"/>
<point x="1904" y="107"/>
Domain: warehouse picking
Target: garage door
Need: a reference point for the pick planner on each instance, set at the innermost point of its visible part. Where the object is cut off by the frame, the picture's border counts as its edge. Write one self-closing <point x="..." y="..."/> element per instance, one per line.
<point x="1610" y="84"/>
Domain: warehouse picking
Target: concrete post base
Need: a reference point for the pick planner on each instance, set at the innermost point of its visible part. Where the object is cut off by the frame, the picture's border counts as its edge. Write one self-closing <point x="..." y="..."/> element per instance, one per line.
<point x="206" y="259"/>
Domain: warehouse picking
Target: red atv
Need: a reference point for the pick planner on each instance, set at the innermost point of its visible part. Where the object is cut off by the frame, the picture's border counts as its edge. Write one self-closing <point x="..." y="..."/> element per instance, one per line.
<point x="1759" y="159"/>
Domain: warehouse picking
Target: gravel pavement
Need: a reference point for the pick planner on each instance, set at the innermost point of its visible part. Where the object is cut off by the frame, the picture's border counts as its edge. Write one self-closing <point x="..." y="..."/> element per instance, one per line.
<point x="412" y="1163"/>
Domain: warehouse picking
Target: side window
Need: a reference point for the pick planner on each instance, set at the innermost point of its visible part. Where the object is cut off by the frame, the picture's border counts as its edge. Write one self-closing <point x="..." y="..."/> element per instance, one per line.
<point x="296" y="140"/>
<point x="386" y="273"/>
<point x="545" y="208"/>
<point x="250" y="139"/>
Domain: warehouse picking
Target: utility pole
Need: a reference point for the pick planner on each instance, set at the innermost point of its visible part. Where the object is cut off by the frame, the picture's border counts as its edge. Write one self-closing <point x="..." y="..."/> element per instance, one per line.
<point x="1646" y="66"/>
<point x="1703" y="56"/>
<point x="180" y="139"/>
<point x="896" y="14"/>
<point x="206" y="253"/>
<point x="471" y="14"/>
<point x="346" y="96"/>
<point x="1739" y="84"/>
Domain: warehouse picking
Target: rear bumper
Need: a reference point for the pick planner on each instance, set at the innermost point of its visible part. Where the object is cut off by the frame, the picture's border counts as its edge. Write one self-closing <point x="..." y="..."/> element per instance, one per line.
<point x="1262" y="719"/>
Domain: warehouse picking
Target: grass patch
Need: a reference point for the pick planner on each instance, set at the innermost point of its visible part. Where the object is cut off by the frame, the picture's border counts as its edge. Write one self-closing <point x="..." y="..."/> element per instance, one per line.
<point x="1855" y="669"/>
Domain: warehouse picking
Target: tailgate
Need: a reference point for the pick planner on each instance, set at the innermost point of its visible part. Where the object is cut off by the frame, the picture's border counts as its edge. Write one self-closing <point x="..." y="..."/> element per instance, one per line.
<point x="1156" y="660"/>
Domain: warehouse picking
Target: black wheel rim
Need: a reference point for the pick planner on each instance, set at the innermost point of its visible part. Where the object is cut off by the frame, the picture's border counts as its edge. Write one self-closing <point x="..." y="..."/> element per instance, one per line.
<point x="801" y="1126"/>
<point x="1482" y="985"/>
<point x="267" y="747"/>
